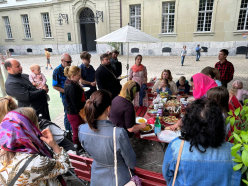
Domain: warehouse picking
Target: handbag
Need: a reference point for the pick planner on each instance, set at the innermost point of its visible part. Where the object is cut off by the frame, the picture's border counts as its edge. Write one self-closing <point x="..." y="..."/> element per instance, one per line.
<point x="135" y="181"/>
<point x="178" y="161"/>
<point x="21" y="170"/>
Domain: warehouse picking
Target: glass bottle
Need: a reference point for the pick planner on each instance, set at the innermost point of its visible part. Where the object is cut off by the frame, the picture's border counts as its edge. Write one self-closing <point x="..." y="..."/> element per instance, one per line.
<point x="157" y="126"/>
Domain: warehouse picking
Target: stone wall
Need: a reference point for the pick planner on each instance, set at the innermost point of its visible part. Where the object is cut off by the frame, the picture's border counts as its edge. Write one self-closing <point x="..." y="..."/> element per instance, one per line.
<point x="155" y="49"/>
<point x="39" y="49"/>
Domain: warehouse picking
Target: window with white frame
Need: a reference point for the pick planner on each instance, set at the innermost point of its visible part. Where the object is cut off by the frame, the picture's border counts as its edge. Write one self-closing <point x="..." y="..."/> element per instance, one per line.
<point x="168" y="17"/>
<point x="205" y="15"/>
<point x="7" y="27"/>
<point x="46" y="24"/>
<point x="243" y="15"/>
<point x="135" y="16"/>
<point x="26" y="27"/>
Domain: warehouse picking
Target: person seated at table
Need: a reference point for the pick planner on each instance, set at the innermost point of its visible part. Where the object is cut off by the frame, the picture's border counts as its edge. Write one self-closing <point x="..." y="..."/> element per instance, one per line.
<point x="217" y="77"/>
<point x="166" y="74"/>
<point x="220" y="95"/>
<point x="206" y="158"/>
<point x="124" y="115"/>
<point x="183" y="86"/>
<point x="7" y="104"/>
<point x="164" y="87"/>
<point x="97" y="139"/>
<point x="201" y="84"/>
<point x="214" y="73"/>
<point x="17" y="149"/>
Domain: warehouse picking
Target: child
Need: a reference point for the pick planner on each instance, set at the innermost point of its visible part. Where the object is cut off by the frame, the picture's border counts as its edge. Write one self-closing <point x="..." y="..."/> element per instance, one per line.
<point x="217" y="76"/>
<point x="183" y="54"/>
<point x="183" y="86"/>
<point x="48" y="58"/>
<point x="37" y="78"/>
<point x="164" y="87"/>
<point x="238" y="91"/>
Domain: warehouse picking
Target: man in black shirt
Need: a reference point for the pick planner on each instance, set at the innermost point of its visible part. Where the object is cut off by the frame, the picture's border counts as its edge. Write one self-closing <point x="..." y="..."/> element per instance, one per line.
<point x="106" y="77"/>
<point x="115" y="63"/>
<point x="18" y="86"/>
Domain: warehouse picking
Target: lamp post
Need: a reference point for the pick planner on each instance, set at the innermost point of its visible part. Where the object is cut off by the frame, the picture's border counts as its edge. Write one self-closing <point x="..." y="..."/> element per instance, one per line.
<point x="61" y="17"/>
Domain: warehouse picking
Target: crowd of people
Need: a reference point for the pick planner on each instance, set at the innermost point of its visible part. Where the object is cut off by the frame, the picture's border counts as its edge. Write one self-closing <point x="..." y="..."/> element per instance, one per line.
<point x="92" y="116"/>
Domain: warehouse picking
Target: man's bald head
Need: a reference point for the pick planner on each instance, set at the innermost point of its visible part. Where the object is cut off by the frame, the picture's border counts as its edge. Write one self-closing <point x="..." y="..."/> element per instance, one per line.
<point x="66" y="60"/>
<point x="13" y="66"/>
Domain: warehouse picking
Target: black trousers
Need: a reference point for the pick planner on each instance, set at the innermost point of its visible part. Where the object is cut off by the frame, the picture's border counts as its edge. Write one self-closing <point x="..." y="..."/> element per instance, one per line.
<point x="224" y="83"/>
<point x="43" y="110"/>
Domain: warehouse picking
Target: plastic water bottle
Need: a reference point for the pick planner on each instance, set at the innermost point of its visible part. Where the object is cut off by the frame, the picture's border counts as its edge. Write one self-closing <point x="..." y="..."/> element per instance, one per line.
<point x="157" y="126"/>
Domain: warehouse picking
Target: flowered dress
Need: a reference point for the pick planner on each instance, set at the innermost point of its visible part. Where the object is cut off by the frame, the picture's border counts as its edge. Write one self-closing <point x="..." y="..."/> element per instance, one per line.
<point x="41" y="171"/>
<point x="140" y="78"/>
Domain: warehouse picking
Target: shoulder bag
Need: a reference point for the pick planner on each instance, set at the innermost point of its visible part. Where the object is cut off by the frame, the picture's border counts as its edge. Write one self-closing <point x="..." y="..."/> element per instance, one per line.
<point x="178" y="161"/>
<point x="22" y="170"/>
<point x="135" y="181"/>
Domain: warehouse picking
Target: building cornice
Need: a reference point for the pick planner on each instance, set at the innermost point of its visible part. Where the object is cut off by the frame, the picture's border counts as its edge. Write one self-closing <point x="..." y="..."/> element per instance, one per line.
<point x="33" y="5"/>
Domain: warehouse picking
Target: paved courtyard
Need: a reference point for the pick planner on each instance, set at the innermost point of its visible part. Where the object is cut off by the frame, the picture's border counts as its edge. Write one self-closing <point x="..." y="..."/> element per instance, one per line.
<point x="149" y="154"/>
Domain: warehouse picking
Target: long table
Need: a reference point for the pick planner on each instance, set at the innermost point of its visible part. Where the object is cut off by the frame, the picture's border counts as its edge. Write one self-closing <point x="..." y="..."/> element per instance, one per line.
<point x="142" y="112"/>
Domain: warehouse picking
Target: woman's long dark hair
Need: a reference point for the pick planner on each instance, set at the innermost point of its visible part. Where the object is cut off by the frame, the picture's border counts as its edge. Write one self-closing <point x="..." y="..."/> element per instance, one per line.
<point x="220" y="95"/>
<point x="203" y="125"/>
<point x="95" y="106"/>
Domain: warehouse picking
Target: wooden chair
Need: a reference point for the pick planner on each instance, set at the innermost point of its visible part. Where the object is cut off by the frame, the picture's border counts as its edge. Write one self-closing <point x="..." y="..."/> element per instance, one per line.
<point x="83" y="171"/>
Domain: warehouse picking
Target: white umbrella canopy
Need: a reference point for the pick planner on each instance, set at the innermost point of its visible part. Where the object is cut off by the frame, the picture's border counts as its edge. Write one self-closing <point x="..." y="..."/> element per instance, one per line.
<point x="128" y="34"/>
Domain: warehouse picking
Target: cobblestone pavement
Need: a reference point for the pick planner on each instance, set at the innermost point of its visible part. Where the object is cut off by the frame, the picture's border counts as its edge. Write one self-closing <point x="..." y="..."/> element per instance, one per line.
<point x="149" y="154"/>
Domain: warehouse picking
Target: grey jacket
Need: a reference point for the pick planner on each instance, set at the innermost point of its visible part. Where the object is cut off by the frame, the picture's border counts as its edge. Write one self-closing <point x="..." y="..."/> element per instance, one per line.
<point x="100" y="146"/>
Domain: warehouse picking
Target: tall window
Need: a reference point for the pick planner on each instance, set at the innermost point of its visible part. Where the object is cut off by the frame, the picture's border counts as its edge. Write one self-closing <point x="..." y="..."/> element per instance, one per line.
<point x="46" y="24"/>
<point x="168" y="16"/>
<point x="7" y="27"/>
<point x="205" y="15"/>
<point x="26" y="27"/>
<point x="135" y="16"/>
<point x="243" y="14"/>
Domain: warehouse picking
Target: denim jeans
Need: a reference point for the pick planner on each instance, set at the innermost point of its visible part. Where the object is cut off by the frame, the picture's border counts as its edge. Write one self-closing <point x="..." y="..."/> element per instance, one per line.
<point x="182" y="57"/>
<point x="66" y="121"/>
<point x="198" y="55"/>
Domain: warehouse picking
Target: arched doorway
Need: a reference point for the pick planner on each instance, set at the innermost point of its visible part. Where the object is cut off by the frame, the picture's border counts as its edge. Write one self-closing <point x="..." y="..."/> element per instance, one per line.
<point x="87" y="30"/>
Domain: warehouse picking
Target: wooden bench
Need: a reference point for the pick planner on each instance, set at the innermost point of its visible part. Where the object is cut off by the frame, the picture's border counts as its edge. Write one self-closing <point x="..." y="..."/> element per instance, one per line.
<point x="140" y="111"/>
<point x="235" y="102"/>
<point x="83" y="171"/>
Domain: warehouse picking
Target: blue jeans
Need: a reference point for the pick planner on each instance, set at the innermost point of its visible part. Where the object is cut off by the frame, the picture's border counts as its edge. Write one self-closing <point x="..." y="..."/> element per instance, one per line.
<point x="198" y="55"/>
<point x="66" y="122"/>
<point x="182" y="57"/>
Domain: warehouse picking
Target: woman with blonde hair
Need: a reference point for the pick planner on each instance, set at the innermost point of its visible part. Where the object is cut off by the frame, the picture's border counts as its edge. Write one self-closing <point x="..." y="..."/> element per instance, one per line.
<point x="28" y="145"/>
<point x="166" y="74"/>
<point x="7" y="104"/>
<point x="75" y="98"/>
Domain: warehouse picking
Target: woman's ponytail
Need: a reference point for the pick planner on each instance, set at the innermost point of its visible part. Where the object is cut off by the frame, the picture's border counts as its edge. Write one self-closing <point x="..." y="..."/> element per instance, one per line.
<point x="95" y="107"/>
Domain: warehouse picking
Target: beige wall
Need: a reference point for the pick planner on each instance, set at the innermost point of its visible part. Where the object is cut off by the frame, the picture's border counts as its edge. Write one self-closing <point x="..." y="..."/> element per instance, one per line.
<point x="59" y="33"/>
<point x="224" y="21"/>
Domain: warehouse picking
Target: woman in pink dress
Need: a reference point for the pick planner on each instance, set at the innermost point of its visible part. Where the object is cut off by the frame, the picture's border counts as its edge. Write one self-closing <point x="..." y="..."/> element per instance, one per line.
<point x="138" y="73"/>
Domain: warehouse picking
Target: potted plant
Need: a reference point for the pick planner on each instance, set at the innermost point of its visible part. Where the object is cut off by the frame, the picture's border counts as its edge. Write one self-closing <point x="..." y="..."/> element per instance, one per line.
<point x="239" y="136"/>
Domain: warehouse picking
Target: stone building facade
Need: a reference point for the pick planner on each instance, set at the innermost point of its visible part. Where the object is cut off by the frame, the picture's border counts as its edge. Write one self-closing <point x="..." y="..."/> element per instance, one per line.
<point x="214" y="24"/>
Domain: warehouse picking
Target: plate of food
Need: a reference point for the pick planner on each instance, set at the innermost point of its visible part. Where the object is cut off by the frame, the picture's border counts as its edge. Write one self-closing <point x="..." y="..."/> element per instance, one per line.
<point x="151" y="107"/>
<point x="172" y="103"/>
<point x="152" y="111"/>
<point x="140" y="120"/>
<point x="86" y="89"/>
<point x="170" y="119"/>
<point x="148" y="128"/>
<point x="122" y="77"/>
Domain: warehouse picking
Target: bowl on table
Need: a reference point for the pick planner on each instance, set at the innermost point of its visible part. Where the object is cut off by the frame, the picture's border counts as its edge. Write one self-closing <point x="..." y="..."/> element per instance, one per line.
<point x="140" y="120"/>
<point x="149" y="128"/>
